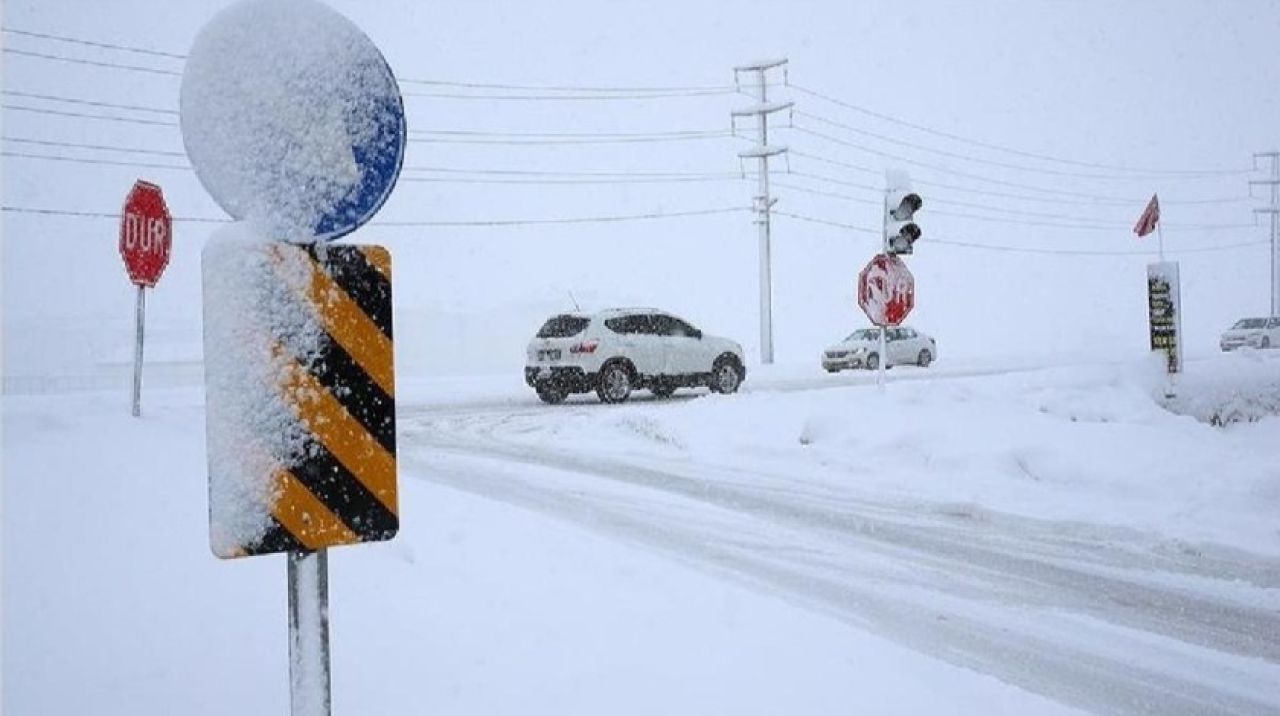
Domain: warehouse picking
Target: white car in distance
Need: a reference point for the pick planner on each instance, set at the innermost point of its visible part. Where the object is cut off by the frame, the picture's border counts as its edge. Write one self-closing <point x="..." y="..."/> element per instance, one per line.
<point x="861" y="349"/>
<point x="1252" y="332"/>
<point x="616" y="351"/>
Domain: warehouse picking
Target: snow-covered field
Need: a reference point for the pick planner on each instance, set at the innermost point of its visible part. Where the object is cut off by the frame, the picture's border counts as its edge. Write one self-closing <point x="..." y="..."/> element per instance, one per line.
<point x="972" y="540"/>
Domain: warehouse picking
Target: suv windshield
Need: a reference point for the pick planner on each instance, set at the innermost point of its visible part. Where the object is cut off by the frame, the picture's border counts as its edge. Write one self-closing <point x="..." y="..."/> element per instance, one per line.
<point x="1251" y="323"/>
<point x="563" y="326"/>
<point x="864" y="334"/>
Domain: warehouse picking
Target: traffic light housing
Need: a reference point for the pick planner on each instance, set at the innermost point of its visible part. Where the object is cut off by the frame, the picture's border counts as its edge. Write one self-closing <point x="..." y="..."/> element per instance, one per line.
<point x="900" y="205"/>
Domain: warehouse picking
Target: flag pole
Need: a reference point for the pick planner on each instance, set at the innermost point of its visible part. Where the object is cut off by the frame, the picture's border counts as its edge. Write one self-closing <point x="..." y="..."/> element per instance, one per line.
<point x="1160" y="237"/>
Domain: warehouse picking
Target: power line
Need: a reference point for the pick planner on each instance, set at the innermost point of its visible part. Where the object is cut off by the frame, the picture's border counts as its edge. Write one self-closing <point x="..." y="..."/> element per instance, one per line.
<point x="604" y="181"/>
<point x="95" y="63"/>
<point x="449" y="224"/>
<point x="99" y="147"/>
<point x="570" y="98"/>
<point x="814" y="220"/>
<point x="100" y="214"/>
<point x="445" y="224"/>
<point x="1097" y="201"/>
<point x="553" y="182"/>
<point x="573" y="135"/>
<point x="571" y="88"/>
<point x="85" y="160"/>
<point x="819" y="192"/>
<point x="975" y="142"/>
<point x="91" y="103"/>
<point x="81" y="115"/>
<point x="1082" y="221"/>
<point x="841" y="182"/>
<point x="1086" y="252"/>
<point x="1025" y="249"/>
<point x="573" y="173"/>
<point x="946" y="170"/>
<point x="635" y="139"/>
<point x="1136" y="174"/>
<point x="571" y="220"/>
<point x="91" y="43"/>
<point x="1066" y="221"/>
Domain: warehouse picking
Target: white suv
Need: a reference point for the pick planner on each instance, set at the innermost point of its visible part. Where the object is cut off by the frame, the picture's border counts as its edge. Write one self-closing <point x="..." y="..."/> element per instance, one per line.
<point x="616" y="351"/>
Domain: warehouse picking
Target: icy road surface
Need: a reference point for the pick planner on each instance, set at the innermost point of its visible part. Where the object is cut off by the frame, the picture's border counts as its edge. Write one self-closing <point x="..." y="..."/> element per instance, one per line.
<point x="1098" y="614"/>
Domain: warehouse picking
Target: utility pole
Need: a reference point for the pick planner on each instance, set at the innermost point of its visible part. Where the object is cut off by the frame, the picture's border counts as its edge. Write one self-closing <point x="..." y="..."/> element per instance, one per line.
<point x="1274" y="211"/>
<point x="762" y="201"/>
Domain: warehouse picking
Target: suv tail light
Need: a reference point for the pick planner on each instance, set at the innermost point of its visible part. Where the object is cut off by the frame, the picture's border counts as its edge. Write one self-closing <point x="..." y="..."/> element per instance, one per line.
<point x="585" y="347"/>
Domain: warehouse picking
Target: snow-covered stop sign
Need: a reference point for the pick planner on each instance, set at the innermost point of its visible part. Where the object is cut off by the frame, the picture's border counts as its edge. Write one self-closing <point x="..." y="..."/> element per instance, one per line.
<point x="886" y="290"/>
<point x="146" y="234"/>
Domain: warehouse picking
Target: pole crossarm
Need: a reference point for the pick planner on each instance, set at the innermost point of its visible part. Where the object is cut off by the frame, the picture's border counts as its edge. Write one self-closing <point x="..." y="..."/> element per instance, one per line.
<point x="762" y="151"/>
<point x="762" y="108"/>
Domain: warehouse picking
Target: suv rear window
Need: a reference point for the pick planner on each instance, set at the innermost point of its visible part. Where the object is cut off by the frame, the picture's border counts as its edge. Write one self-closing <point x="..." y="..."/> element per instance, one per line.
<point x="563" y="326"/>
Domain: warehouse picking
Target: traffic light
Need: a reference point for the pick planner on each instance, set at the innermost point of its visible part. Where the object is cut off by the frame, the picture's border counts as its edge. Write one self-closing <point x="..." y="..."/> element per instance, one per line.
<point x="900" y="205"/>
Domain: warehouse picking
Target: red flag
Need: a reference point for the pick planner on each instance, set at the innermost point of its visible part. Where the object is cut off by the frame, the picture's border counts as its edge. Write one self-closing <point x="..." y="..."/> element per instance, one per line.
<point x="1150" y="217"/>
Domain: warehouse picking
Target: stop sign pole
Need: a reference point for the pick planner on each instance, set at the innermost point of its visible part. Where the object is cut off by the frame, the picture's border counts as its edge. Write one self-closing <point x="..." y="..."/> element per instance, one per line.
<point x="146" y="236"/>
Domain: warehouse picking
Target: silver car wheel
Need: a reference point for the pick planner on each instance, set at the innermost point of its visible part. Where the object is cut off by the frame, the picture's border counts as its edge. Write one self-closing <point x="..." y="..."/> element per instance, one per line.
<point x="726" y="379"/>
<point x="617" y="384"/>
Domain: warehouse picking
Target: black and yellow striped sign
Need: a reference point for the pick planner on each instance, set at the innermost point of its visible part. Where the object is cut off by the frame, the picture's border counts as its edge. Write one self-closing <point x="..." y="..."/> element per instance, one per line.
<point x="337" y="484"/>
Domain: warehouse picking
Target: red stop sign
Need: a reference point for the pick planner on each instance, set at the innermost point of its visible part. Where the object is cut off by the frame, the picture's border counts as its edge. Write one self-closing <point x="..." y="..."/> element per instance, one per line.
<point x="886" y="290"/>
<point x="146" y="233"/>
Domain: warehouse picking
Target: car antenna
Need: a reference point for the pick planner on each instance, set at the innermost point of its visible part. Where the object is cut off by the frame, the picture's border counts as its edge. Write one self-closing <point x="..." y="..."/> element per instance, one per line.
<point x="576" y="307"/>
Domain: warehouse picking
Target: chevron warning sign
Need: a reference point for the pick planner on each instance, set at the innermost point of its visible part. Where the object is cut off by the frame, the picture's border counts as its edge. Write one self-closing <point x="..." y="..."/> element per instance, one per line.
<point x="301" y="397"/>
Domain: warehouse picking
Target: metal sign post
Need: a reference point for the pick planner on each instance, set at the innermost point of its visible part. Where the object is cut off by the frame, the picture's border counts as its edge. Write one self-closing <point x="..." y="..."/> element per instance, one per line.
<point x="296" y="327"/>
<point x="886" y="293"/>
<point x="884" y="358"/>
<point x="140" y="321"/>
<point x="309" y="684"/>
<point x="146" y="236"/>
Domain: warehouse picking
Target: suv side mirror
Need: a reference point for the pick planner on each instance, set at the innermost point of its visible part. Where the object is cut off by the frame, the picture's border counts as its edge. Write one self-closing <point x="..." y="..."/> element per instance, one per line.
<point x="697" y="334"/>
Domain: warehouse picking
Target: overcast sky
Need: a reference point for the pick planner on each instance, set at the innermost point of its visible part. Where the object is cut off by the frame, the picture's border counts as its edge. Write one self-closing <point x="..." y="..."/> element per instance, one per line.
<point x="1158" y="86"/>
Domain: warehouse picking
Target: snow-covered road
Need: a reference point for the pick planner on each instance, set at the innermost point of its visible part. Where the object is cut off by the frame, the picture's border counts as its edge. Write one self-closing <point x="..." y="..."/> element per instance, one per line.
<point x="1100" y="616"/>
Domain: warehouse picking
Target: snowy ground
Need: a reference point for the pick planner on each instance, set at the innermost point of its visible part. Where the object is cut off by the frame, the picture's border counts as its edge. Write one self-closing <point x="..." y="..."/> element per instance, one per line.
<point x="975" y="540"/>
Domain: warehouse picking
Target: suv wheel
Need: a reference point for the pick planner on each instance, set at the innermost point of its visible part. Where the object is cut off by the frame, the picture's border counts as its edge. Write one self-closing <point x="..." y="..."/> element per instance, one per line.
<point x="552" y="394"/>
<point x="924" y="359"/>
<point x="615" y="383"/>
<point x="873" y="361"/>
<point x="725" y="377"/>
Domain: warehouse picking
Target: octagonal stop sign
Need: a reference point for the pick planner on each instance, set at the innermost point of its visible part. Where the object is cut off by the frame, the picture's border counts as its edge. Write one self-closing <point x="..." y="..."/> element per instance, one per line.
<point x="146" y="234"/>
<point x="886" y="290"/>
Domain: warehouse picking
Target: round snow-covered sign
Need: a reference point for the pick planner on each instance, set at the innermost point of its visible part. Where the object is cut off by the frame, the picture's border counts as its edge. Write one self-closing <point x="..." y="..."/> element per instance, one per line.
<point x="292" y="119"/>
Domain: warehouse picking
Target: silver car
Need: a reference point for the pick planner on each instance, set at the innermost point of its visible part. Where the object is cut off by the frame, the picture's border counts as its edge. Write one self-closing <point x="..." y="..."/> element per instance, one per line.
<point x="1252" y="332"/>
<point x="861" y="349"/>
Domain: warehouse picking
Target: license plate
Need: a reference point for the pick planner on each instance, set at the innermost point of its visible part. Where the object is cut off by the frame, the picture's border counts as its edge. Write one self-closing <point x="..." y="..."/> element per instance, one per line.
<point x="553" y="354"/>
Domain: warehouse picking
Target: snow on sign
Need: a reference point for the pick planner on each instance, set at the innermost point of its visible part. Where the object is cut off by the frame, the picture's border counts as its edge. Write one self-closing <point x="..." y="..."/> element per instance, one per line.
<point x="292" y="119"/>
<point x="146" y="234"/>
<point x="301" y="395"/>
<point x="886" y="290"/>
